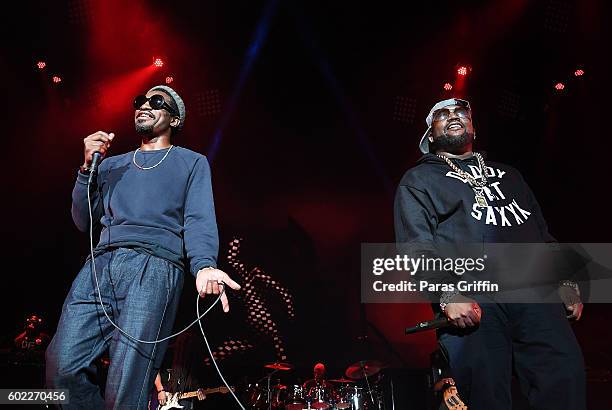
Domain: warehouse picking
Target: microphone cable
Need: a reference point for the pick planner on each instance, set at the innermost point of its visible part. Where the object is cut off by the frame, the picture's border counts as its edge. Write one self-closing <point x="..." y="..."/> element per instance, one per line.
<point x="126" y="334"/>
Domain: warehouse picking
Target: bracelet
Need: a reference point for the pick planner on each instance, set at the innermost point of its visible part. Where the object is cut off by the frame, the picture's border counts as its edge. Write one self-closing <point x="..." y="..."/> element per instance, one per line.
<point x="446" y="297"/>
<point x="570" y="284"/>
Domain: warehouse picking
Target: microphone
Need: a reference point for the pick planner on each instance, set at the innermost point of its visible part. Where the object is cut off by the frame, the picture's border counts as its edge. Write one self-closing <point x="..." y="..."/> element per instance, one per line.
<point x="95" y="161"/>
<point x="428" y="325"/>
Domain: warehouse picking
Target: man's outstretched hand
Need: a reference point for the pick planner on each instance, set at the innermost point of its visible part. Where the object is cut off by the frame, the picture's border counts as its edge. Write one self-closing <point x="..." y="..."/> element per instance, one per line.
<point x="210" y="281"/>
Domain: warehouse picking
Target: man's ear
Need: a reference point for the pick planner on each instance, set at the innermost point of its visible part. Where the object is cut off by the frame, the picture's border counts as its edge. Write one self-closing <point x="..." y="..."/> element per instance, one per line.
<point x="175" y="122"/>
<point x="430" y="137"/>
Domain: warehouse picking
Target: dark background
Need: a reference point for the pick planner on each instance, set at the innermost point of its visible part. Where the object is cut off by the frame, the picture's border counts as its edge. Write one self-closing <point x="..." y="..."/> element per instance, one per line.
<point x="307" y="139"/>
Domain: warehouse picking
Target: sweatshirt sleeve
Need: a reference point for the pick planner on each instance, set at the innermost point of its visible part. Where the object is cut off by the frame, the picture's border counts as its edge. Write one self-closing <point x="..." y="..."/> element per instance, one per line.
<point x="80" y="207"/>
<point x="413" y="221"/>
<point x="415" y="224"/>
<point x="201" y="236"/>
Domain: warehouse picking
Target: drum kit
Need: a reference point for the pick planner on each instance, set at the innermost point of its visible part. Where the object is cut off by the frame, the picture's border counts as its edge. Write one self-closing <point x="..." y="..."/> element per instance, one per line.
<point x="358" y="389"/>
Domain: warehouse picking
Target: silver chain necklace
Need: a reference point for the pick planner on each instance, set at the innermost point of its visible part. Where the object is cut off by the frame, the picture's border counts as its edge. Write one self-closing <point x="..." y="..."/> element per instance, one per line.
<point x="153" y="166"/>
<point x="477" y="185"/>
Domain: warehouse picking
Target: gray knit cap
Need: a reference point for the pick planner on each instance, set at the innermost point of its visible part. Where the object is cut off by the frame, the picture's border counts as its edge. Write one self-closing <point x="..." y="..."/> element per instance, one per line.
<point x="177" y="100"/>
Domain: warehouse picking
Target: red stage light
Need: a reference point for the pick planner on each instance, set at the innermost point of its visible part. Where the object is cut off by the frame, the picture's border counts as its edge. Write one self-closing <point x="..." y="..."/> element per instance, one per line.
<point x="448" y="86"/>
<point x="41" y="65"/>
<point x="57" y="79"/>
<point x="462" y="70"/>
<point x="169" y="79"/>
<point x="158" y="62"/>
<point x="559" y="86"/>
<point x="579" y="73"/>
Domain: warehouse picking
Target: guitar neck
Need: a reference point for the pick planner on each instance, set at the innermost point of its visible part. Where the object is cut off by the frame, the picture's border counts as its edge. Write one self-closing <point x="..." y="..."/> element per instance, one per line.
<point x="194" y="393"/>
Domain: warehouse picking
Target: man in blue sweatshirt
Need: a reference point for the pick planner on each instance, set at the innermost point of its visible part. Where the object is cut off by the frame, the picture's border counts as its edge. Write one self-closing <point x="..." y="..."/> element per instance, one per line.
<point x="452" y="197"/>
<point x="156" y="212"/>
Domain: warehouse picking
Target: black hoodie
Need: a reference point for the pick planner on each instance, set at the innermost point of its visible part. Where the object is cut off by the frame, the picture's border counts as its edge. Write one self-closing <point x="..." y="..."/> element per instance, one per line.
<point x="435" y="206"/>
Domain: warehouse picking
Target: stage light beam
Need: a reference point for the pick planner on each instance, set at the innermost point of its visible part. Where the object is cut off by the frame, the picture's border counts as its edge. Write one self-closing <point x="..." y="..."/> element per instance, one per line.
<point x="41" y="65"/>
<point x="462" y="71"/>
<point x="579" y="73"/>
<point x="559" y="86"/>
<point x="169" y="79"/>
<point x="158" y="62"/>
<point x="448" y="87"/>
<point x="57" y="79"/>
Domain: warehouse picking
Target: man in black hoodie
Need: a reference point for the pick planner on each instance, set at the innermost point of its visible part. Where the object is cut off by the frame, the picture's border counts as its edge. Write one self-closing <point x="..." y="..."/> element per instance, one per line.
<point x="453" y="197"/>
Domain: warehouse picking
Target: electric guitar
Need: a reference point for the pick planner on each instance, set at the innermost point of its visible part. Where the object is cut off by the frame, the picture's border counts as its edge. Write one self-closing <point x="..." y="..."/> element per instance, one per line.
<point x="452" y="400"/>
<point x="172" y="401"/>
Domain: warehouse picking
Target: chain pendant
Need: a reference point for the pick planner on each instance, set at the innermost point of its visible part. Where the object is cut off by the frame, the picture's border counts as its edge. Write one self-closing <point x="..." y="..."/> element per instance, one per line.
<point x="477" y="186"/>
<point x="480" y="198"/>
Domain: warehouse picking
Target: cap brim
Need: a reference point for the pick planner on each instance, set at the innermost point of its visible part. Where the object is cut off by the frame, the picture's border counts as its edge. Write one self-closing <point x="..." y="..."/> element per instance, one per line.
<point x="424" y="144"/>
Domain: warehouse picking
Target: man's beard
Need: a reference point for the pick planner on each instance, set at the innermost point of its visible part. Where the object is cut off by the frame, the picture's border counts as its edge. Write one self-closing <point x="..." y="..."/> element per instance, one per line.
<point x="144" y="128"/>
<point x="452" y="145"/>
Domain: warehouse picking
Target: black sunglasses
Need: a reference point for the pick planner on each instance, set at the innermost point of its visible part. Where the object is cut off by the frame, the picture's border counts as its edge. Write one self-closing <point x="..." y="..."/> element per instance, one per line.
<point x="156" y="102"/>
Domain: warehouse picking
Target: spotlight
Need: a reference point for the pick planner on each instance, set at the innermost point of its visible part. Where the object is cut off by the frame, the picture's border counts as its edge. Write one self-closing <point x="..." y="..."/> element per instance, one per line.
<point x="80" y="11"/>
<point x="463" y="69"/>
<point x="405" y="109"/>
<point x="509" y="104"/>
<point x="208" y="103"/>
<point x="169" y="79"/>
<point x="557" y="16"/>
<point x="57" y="79"/>
<point x="158" y="62"/>
<point x="559" y="86"/>
<point x="579" y="73"/>
<point x="448" y="87"/>
<point x="41" y="65"/>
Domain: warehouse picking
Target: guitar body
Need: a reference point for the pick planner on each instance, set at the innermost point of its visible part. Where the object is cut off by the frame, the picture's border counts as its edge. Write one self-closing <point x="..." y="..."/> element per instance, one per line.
<point x="452" y="400"/>
<point x="172" y="402"/>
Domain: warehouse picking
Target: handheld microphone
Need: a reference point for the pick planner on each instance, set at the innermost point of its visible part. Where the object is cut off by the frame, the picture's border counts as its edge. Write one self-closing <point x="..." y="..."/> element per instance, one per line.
<point x="428" y="325"/>
<point x="95" y="161"/>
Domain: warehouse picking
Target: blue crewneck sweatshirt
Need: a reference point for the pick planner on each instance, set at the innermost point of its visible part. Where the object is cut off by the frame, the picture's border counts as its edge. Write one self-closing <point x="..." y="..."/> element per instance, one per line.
<point x="167" y="211"/>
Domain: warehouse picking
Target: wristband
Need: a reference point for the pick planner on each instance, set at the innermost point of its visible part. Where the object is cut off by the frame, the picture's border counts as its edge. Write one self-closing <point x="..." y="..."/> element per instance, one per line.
<point x="446" y="298"/>
<point x="570" y="284"/>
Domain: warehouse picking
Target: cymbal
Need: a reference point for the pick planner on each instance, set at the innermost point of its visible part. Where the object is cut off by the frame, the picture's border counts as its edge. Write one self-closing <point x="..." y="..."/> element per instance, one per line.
<point x="363" y="368"/>
<point x="279" y="366"/>
<point x="342" y="381"/>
